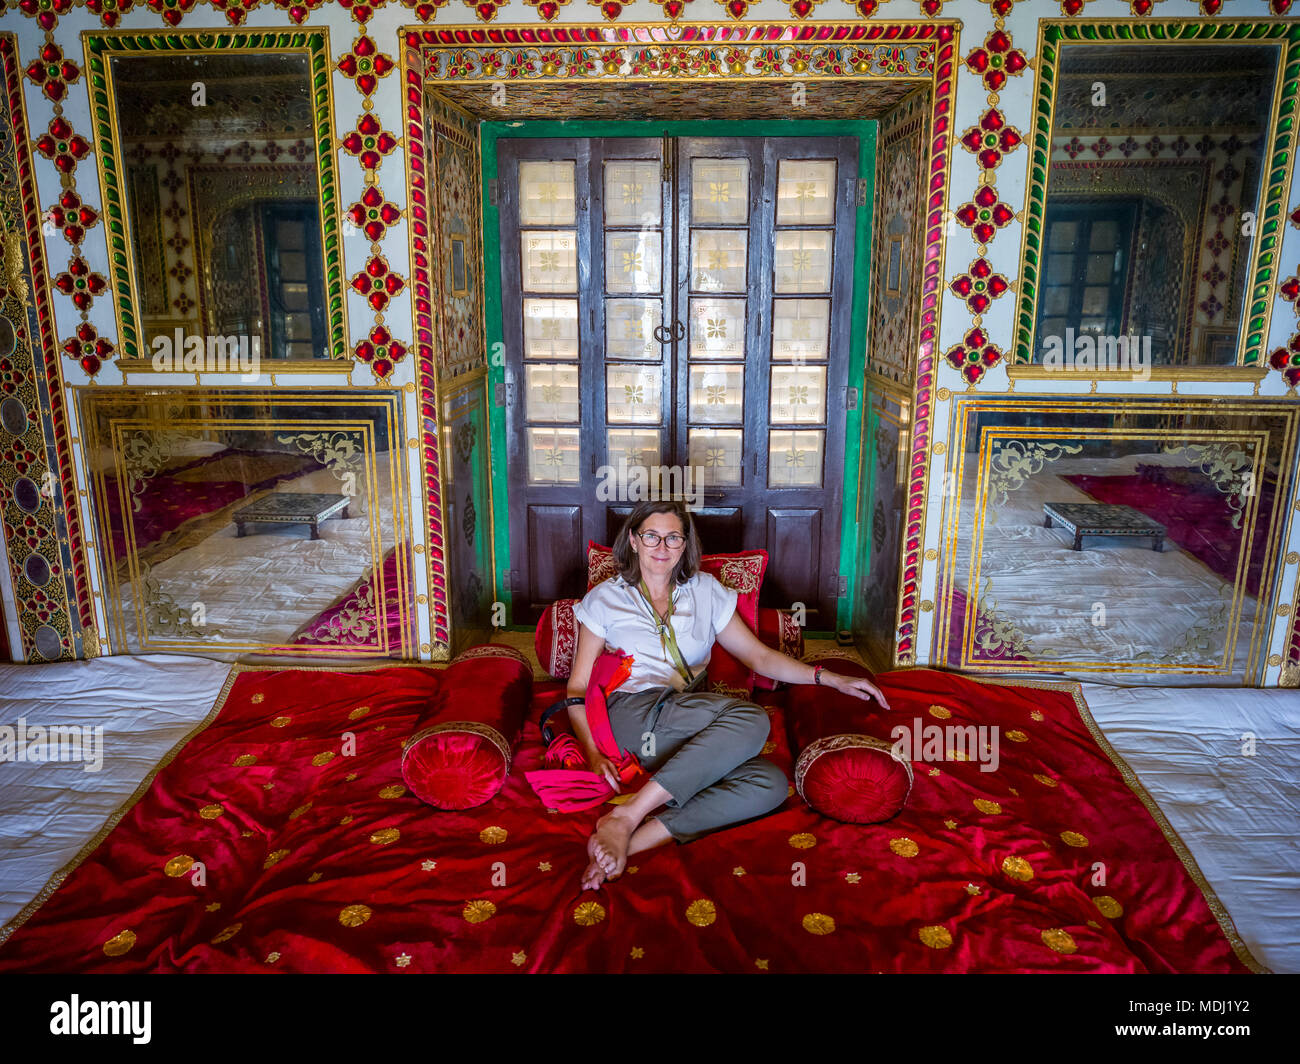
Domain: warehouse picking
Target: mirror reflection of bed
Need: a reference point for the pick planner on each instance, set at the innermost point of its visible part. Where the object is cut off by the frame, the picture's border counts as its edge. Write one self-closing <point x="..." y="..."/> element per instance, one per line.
<point x="318" y="564"/>
<point x="1185" y="613"/>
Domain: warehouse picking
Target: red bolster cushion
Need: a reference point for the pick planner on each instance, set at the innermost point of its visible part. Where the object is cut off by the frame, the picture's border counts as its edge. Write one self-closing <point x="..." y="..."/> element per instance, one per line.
<point x="459" y="756"/>
<point x="843" y="770"/>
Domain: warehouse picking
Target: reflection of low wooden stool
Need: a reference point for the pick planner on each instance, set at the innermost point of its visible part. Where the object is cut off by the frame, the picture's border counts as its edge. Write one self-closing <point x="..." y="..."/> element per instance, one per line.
<point x="292" y="508"/>
<point x="1102" y="519"/>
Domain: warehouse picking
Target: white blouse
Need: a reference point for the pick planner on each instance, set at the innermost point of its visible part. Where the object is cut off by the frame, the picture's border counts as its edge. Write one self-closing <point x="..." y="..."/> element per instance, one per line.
<point x="614" y="611"/>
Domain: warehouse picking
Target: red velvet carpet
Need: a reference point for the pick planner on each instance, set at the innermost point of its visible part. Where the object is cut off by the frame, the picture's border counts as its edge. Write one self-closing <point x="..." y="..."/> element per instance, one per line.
<point x="316" y="860"/>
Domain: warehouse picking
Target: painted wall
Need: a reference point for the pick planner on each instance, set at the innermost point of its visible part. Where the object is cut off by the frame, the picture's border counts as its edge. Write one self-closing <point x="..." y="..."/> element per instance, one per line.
<point x="995" y="46"/>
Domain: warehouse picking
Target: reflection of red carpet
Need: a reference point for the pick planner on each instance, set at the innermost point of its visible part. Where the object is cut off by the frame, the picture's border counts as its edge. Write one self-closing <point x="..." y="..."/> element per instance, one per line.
<point x="173" y="498"/>
<point x="1191" y="508"/>
<point x="354" y="620"/>
<point x="957" y="630"/>
<point x="316" y="861"/>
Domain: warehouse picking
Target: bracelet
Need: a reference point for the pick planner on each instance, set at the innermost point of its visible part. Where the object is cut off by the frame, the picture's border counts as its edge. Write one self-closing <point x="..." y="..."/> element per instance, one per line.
<point x="817" y="674"/>
<point x="575" y="700"/>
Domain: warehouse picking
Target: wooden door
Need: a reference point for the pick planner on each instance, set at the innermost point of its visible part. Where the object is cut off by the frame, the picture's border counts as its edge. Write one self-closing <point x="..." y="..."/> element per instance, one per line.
<point x="682" y="306"/>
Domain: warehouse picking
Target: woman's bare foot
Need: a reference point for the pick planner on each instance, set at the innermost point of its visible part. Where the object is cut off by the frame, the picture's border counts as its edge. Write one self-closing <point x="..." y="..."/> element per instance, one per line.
<point x="593" y="877"/>
<point x="608" y="846"/>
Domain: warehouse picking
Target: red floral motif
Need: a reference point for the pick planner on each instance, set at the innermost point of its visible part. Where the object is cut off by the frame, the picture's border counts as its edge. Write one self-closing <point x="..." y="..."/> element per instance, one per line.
<point x="236" y="10"/>
<point x="548" y="9"/>
<point x="991" y="139"/>
<point x="427" y="11"/>
<point x="369" y="142"/>
<point x="110" y="12"/>
<point x="88" y="348"/>
<point x="979" y="286"/>
<point x="365" y="65"/>
<point x="611" y="9"/>
<point x="72" y="217"/>
<point x="1290" y="289"/>
<point x="62" y="146"/>
<point x="377" y="283"/>
<point x="974" y="355"/>
<point x="45" y="12"/>
<point x="1287" y="361"/>
<point x="865" y="8"/>
<point x="1211" y="7"/>
<point x="486" y="10"/>
<point x="381" y="351"/>
<point x="1280" y="7"/>
<point x="932" y="8"/>
<point x="1295" y="217"/>
<point x="52" y="72"/>
<point x="1141" y="7"/>
<point x="985" y="214"/>
<point x="373" y="214"/>
<point x="1000" y="8"/>
<point x="802" y="8"/>
<point x="996" y="60"/>
<point x="80" y="283"/>
<point x="171" y="10"/>
<point x="361" y="12"/>
<point x="298" y="10"/>
<point x="736" y="9"/>
<point x="672" y="8"/>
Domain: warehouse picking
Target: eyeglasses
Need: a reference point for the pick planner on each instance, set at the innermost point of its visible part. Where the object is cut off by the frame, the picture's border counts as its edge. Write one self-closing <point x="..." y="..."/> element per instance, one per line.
<point x="674" y="540"/>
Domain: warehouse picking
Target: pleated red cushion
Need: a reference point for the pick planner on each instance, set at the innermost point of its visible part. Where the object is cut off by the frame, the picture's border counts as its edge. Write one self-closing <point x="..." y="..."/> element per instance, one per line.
<point x="843" y="770"/>
<point x="853" y="778"/>
<point x="459" y="757"/>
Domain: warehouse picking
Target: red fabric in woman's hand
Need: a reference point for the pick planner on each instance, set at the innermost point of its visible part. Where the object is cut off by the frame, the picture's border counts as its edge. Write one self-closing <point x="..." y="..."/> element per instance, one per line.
<point x="460" y="755"/>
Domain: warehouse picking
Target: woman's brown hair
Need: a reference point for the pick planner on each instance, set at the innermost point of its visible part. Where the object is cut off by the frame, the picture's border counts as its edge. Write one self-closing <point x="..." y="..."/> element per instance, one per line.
<point x="629" y="565"/>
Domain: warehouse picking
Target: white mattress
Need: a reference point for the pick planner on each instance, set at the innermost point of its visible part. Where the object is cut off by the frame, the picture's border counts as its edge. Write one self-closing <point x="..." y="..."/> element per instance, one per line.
<point x="1238" y="816"/>
<point x="48" y="812"/>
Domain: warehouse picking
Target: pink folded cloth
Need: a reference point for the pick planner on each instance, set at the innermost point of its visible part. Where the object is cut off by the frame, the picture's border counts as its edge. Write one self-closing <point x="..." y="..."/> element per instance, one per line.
<point x="569" y="789"/>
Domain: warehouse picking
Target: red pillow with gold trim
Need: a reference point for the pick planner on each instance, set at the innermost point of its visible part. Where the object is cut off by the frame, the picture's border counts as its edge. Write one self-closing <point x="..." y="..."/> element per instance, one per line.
<point x="460" y="755"/>
<point x="742" y="572"/>
<point x="842" y="770"/>
<point x="556" y="638"/>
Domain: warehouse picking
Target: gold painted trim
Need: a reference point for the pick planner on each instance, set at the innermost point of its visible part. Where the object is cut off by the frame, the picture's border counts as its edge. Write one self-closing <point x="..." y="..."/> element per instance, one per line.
<point x="276" y="366"/>
<point x="1036" y="371"/>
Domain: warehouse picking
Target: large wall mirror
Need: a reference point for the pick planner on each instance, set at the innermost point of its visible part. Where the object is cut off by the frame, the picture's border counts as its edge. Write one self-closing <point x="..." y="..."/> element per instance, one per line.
<point x="219" y="183"/>
<point x="1156" y="197"/>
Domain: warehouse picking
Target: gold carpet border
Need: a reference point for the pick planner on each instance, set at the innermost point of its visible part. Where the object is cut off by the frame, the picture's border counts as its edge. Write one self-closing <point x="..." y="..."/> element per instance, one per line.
<point x="55" y="881"/>
<point x="1073" y="687"/>
<point x="1221" y="914"/>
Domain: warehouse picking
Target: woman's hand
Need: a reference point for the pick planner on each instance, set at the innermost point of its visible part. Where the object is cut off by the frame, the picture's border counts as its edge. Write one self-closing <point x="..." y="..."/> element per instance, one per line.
<point x="857" y="686"/>
<point x="603" y="766"/>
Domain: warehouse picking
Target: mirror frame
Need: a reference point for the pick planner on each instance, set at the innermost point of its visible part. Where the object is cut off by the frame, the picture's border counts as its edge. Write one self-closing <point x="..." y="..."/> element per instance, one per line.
<point x="1275" y="178"/>
<point x="100" y="48"/>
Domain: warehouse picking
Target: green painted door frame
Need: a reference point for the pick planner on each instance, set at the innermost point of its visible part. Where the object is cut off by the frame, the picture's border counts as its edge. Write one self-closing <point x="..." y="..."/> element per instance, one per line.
<point x="865" y="131"/>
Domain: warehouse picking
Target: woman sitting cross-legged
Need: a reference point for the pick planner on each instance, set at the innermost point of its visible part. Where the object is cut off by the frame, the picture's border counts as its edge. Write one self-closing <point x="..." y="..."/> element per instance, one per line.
<point x="700" y="748"/>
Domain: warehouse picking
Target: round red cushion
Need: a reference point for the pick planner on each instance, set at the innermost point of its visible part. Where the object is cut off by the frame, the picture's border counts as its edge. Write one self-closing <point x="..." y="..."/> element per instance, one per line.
<point x="854" y="778"/>
<point x="459" y="755"/>
<point x="456" y="765"/>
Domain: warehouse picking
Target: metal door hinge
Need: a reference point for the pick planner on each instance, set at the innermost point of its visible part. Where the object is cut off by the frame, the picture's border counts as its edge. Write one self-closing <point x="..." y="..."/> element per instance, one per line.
<point x="862" y="192"/>
<point x="494" y="192"/>
<point x="503" y="393"/>
<point x="850" y="398"/>
<point x="843" y="588"/>
<point x="505" y="580"/>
